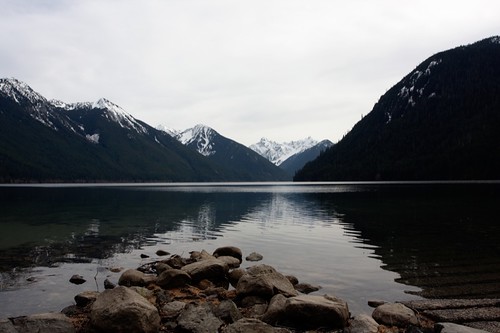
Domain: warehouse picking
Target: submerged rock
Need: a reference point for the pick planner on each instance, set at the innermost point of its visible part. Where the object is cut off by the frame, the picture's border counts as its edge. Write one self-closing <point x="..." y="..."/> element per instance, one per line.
<point x="254" y="256"/>
<point x="77" y="279"/>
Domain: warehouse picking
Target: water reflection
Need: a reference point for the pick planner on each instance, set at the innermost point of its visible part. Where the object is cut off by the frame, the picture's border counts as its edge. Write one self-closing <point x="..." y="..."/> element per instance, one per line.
<point x="354" y="240"/>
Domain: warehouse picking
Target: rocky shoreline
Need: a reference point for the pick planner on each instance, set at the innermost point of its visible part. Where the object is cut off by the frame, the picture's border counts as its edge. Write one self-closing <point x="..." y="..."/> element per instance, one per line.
<point x="212" y="293"/>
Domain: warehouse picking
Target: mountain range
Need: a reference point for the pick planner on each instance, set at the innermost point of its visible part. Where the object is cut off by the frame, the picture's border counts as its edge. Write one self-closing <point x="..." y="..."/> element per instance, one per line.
<point x="440" y="122"/>
<point x="52" y="141"/>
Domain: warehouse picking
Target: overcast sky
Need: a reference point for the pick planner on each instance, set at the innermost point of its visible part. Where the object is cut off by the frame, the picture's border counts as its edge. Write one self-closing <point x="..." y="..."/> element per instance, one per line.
<point x="281" y="69"/>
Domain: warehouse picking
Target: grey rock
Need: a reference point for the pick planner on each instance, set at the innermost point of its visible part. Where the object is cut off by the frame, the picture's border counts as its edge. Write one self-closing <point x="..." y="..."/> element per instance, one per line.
<point x="227" y="311"/>
<point x="249" y="301"/>
<point x="293" y="280"/>
<point x="251" y="325"/>
<point x="161" y="267"/>
<point x="306" y="288"/>
<point x="231" y="262"/>
<point x="44" y="323"/>
<point x="394" y="314"/>
<point x="362" y="323"/>
<point x="275" y="310"/>
<point x="312" y="312"/>
<point x="235" y="275"/>
<point x="254" y="256"/>
<point x="85" y="298"/>
<point x="173" y="278"/>
<point x="455" y="328"/>
<point x="162" y="253"/>
<point x="264" y="281"/>
<point x="172" y="309"/>
<point x="373" y="303"/>
<point x="6" y="326"/>
<point x="206" y="269"/>
<point x="199" y="319"/>
<point x="123" y="310"/>
<point x="133" y="277"/>
<point x="229" y="251"/>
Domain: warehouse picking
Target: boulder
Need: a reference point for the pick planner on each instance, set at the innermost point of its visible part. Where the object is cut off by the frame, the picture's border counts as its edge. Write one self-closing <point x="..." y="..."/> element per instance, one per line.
<point x="173" y="278"/>
<point x="85" y="298"/>
<point x="229" y="251"/>
<point x="455" y="328"/>
<point x="264" y="281"/>
<point x="251" y="325"/>
<point x="133" y="277"/>
<point x="77" y="279"/>
<point x="123" y="310"/>
<point x="199" y="319"/>
<point x="161" y="266"/>
<point x="44" y="323"/>
<point x="362" y="323"/>
<point x="306" y="288"/>
<point x="394" y="314"/>
<point x="235" y="275"/>
<point x="254" y="256"/>
<point x="312" y="312"/>
<point x="275" y="310"/>
<point x="211" y="269"/>
<point x="227" y="311"/>
<point x="231" y="262"/>
<point x="6" y="326"/>
<point x="172" y="309"/>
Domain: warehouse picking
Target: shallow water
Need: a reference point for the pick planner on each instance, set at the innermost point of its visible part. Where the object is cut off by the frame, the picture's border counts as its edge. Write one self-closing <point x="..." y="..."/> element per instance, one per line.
<point x="392" y="241"/>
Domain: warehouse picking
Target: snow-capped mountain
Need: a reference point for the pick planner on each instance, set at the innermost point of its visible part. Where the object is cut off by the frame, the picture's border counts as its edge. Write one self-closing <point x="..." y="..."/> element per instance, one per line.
<point x="277" y="152"/>
<point x="200" y="136"/>
<point x="245" y="163"/>
<point x="20" y="91"/>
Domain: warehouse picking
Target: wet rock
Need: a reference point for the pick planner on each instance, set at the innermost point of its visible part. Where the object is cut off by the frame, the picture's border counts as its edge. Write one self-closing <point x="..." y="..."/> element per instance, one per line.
<point x="175" y="261"/>
<point x="206" y="269"/>
<point x="77" y="279"/>
<point x="44" y="323"/>
<point x="254" y="256"/>
<point x="306" y="288"/>
<point x="264" y="281"/>
<point x="455" y="328"/>
<point x="229" y="251"/>
<point x="375" y="302"/>
<point x="172" y="309"/>
<point x="199" y="319"/>
<point x="85" y="298"/>
<point x="394" y="314"/>
<point x="116" y="269"/>
<point x="173" y="278"/>
<point x="108" y="284"/>
<point x="162" y="253"/>
<point x="231" y="262"/>
<point x="123" y="310"/>
<point x="144" y="256"/>
<point x="312" y="312"/>
<point x="362" y="323"/>
<point x="133" y="277"/>
<point x="227" y="311"/>
<point x="251" y="325"/>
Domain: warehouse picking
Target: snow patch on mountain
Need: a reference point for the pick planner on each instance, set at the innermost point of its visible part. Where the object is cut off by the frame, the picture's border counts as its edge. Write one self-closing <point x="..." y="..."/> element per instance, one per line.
<point x="19" y="90"/>
<point x="277" y="152"/>
<point x="118" y="115"/>
<point x="200" y="135"/>
<point x="170" y="131"/>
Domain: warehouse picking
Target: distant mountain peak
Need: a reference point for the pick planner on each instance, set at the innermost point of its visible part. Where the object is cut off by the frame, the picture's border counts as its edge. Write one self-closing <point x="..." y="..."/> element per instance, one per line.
<point x="202" y="136"/>
<point x="277" y="152"/>
<point x="117" y="114"/>
<point x="19" y="91"/>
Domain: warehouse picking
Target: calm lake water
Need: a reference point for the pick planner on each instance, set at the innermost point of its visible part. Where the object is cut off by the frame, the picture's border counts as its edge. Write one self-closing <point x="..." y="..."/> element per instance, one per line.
<point x="388" y="241"/>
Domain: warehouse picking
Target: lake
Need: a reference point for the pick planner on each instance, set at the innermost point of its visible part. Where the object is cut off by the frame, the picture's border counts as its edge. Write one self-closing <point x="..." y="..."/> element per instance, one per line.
<point x="359" y="241"/>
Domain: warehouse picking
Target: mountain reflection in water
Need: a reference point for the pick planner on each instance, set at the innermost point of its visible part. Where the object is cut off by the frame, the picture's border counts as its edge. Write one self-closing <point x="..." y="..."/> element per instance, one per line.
<point x="358" y="241"/>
